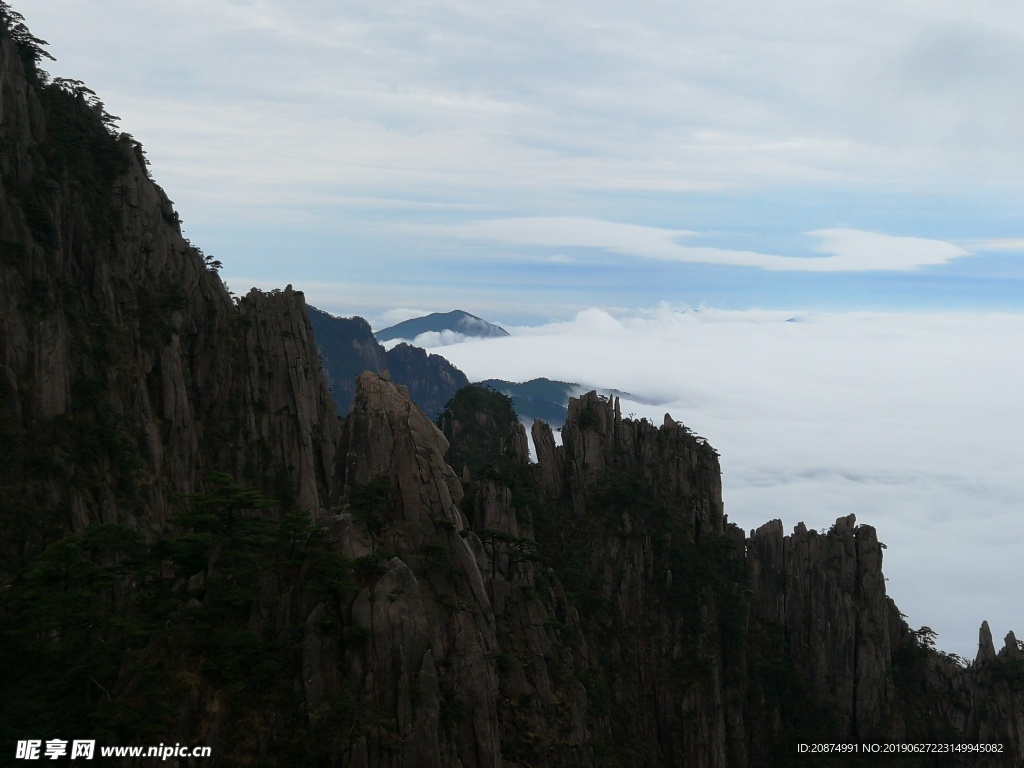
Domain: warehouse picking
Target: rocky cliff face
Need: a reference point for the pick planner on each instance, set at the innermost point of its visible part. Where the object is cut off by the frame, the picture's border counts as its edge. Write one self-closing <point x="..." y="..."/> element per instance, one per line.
<point x="679" y="640"/>
<point x="427" y="669"/>
<point x="127" y="372"/>
<point x="634" y="625"/>
<point x="827" y="593"/>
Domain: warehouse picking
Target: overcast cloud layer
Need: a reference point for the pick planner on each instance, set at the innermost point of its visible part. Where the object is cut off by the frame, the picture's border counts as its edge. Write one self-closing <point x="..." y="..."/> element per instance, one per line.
<point x="911" y="422"/>
<point x="424" y="155"/>
<point x="686" y="96"/>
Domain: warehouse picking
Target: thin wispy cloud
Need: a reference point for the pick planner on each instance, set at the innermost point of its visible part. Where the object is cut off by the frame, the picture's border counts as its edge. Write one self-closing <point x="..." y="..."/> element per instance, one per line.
<point x="848" y="250"/>
<point x="1013" y="244"/>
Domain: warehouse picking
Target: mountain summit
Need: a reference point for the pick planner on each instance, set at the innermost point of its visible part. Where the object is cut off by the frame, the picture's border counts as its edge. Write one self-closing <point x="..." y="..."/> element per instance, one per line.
<point x="455" y="321"/>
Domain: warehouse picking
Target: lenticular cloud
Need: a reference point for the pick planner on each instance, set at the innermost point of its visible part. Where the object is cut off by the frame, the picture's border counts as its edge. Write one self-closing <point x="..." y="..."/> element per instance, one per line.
<point x="845" y="250"/>
<point x="909" y="421"/>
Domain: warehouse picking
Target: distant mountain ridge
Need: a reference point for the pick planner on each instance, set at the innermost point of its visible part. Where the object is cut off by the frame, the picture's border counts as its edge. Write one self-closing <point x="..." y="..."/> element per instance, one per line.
<point x="347" y="348"/>
<point x="542" y="399"/>
<point x="456" y="321"/>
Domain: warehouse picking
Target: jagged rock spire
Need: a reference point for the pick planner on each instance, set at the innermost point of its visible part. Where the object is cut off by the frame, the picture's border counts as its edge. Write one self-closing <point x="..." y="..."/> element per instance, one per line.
<point x="986" y="649"/>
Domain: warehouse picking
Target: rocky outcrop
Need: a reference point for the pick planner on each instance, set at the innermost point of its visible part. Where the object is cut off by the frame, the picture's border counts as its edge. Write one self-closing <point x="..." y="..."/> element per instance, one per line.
<point x="432" y="381"/>
<point x="428" y="665"/>
<point x="386" y="438"/>
<point x="670" y="638"/>
<point x="484" y="433"/>
<point x="828" y="593"/>
<point x="290" y="422"/>
<point x="979" y="702"/>
<point x="549" y="460"/>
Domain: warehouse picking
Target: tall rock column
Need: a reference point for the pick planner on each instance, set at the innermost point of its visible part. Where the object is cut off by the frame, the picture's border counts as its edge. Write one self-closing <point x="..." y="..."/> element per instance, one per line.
<point x="429" y="664"/>
<point x="828" y="592"/>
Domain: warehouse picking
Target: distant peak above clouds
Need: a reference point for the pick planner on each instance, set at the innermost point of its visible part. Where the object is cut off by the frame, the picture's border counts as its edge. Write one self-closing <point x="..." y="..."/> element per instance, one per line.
<point x="451" y="327"/>
<point x="846" y="250"/>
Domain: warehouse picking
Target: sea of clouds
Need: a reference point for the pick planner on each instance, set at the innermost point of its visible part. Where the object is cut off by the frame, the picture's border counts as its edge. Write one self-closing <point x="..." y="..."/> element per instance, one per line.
<point x="910" y="421"/>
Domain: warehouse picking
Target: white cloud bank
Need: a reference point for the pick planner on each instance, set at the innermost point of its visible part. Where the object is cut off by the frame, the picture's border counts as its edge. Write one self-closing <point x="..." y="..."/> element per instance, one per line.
<point x="443" y="338"/>
<point x="849" y="250"/>
<point x="912" y="422"/>
<point x="429" y="340"/>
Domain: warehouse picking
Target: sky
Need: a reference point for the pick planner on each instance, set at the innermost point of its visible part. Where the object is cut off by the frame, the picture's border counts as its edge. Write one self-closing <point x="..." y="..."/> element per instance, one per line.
<point x="535" y="159"/>
<point x="565" y="165"/>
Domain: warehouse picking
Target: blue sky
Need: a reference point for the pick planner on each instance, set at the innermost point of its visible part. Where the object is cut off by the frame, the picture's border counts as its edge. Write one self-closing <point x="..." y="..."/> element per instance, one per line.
<point x="587" y="173"/>
<point x="341" y="146"/>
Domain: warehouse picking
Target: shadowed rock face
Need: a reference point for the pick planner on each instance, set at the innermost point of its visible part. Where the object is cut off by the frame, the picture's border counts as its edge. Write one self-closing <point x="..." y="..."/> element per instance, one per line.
<point x="722" y="648"/>
<point x="428" y="609"/>
<point x="127" y="372"/>
<point x="828" y="593"/>
<point x="387" y="438"/>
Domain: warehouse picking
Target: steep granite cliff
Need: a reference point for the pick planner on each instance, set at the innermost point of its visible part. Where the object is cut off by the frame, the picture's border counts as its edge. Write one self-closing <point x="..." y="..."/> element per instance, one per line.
<point x="614" y="616"/>
<point x="127" y="372"/>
